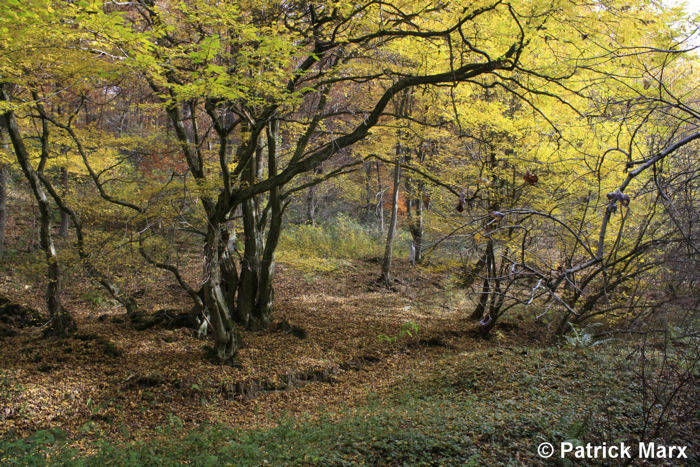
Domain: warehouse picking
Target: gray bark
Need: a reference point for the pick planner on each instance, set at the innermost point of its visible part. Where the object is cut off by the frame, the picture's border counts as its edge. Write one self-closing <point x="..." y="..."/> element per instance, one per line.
<point x="62" y="322"/>
<point x="368" y="188"/>
<point x="250" y="266"/>
<point x="380" y="199"/>
<point x="480" y="308"/>
<point x="265" y="296"/>
<point x="388" y="250"/>
<point x="125" y="300"/>
<point x="3" y="208"/>
<point x="229" y="272"/>
<point x="226" y="340"/>
<point x="63" y="231"/>
<point x="311" y="205"/>
<point x="255" y="292"/>
<point x="217" y="295"/>
<point x="416" y="229"/>
<point x="33" y="237"/>
<point x="4" y="142"/>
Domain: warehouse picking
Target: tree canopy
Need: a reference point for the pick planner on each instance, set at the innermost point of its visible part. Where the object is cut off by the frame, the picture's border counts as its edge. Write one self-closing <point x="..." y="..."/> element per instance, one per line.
<point x="562" y="131"/>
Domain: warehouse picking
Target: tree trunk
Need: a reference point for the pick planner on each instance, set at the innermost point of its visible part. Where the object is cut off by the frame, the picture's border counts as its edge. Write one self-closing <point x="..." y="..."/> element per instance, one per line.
<point x="265" y="296"/>
<point x="3" y="208"/>
<point x="250" y="266"/>
<point x="478" y="312"/>
<point x="415" y="191"/>
<point x="245" y="298"/>
<point x="487" y="325"/>
<point x="33" y="233"/>
<point x="127" y="301"/>
<point x="416" y="228"/>
<point x="5" y="144"/>
<point x="491" y="293"/>
<point x="388" y="250"/>
<point x="62" y="322"/>
<point x="470" y="275"/>
<point x="229" y="273"/>
<point x="311" y="205"/>
<point x="221" y="286"/>
<point x="368" y="189"/>
<point x="216" y="308"/>
<point x="403" y="108"/>
<point x="255" y="291"/>
<point x="380" y="199"/>
<point x="418" y="232"/>
<point x="63" y="231"/>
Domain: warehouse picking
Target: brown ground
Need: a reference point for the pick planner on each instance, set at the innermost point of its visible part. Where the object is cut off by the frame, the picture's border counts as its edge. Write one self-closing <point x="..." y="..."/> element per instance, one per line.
<point x="112" y="379"/>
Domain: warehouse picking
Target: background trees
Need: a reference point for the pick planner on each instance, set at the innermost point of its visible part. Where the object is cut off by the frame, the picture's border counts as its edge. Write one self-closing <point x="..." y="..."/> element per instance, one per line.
<point x="191" y="128"/>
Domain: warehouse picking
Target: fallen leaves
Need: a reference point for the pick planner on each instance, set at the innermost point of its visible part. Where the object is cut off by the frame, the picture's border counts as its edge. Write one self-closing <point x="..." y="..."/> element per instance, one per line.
<point x="112" y="379"/>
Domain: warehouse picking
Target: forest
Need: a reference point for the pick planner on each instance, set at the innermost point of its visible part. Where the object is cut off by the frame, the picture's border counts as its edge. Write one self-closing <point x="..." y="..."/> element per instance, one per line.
<point x="321" y="232"/>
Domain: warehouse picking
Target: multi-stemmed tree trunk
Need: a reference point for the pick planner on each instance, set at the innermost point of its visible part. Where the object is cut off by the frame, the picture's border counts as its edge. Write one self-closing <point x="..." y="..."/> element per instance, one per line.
<point x="488" y="308"/>
<point x="220" y="281"/>
<point x="232" y="296"/>
<point x="494" y="290"/>
<point x="254" y="290"/>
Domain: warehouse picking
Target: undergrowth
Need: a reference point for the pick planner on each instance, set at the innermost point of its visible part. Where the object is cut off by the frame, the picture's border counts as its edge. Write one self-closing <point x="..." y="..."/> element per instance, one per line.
<point x="328" y="246"/>
<point x="490" y="407"/>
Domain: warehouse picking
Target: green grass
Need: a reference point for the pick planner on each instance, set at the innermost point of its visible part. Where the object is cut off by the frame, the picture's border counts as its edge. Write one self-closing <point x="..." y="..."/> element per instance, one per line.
<point x="490" y="407"/>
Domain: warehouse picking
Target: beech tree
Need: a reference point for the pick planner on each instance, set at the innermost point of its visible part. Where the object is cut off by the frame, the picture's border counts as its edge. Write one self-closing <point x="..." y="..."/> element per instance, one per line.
<point x="286" y="56"/>
<point x="249" y="104"/>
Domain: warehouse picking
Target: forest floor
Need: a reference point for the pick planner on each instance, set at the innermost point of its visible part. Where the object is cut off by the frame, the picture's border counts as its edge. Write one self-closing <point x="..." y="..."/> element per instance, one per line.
<point x="113" y="379"/>
<point x="396" y="376"/>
